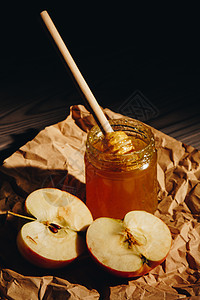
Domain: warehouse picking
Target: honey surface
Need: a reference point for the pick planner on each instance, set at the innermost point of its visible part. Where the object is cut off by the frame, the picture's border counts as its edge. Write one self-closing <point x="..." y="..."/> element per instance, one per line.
<point x="137" y="144"/>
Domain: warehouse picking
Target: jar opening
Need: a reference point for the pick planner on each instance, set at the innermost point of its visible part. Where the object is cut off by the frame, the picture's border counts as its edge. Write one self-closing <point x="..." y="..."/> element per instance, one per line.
<point x="143" y="141"/>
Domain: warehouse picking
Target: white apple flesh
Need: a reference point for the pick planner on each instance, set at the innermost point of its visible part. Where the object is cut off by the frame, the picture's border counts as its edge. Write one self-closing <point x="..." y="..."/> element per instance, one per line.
<point x="53" y="239"/>
<point x="130" y="247"/>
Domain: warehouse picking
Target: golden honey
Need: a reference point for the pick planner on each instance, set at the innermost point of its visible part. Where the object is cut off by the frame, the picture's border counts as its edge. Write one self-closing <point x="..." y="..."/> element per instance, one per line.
<point x="117" y="184"/>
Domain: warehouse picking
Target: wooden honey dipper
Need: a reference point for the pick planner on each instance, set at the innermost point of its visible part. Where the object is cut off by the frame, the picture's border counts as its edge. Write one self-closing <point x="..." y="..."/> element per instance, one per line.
<point x="116" y="141"/>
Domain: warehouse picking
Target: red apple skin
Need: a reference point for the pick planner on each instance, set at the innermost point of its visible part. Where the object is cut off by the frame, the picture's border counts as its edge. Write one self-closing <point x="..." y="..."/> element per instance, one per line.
<point x="146" y="268"/>
<point x="37" y="259"/>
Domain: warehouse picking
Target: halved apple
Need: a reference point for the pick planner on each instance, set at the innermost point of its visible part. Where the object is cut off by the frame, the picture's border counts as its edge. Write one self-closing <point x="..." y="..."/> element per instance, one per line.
<point x="130" y="247"/>
<point x="53" y="240"/>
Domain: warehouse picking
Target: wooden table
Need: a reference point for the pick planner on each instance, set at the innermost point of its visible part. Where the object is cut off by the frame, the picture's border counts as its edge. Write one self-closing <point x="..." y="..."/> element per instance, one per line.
<point x="146" y="72"/>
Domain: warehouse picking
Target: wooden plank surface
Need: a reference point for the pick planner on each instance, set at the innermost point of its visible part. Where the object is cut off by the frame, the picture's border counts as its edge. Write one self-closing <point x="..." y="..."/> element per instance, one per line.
<point x="131" y="72"/>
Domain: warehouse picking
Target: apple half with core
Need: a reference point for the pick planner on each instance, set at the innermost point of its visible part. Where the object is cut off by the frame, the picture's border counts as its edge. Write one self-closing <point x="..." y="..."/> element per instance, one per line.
<point x="53" y="239"/>
<point x="130" y="247"/>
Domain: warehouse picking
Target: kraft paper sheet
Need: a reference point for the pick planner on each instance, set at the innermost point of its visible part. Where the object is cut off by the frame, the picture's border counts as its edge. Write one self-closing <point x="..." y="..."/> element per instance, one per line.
<point x="56" y="157"/>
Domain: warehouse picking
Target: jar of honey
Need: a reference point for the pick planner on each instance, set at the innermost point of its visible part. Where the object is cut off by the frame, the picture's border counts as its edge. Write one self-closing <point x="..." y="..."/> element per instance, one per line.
<point x="117" y="184"/>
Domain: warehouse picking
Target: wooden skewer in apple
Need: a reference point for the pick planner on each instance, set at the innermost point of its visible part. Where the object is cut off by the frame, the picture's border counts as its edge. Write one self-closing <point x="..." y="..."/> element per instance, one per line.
<point x="53" y="227"/>
<point x="55" y="233"/>
<point x="52" y="238"/>
<point x="116" y="141"/>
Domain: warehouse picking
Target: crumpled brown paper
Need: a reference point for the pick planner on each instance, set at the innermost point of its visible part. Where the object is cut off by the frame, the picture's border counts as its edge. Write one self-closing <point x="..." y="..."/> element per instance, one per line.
<point x="56" y="157"/>
<point x="15" y="286"/>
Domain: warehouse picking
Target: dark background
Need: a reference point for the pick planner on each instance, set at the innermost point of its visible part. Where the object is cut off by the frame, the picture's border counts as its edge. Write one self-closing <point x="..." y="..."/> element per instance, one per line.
<point x="121" y="50"/>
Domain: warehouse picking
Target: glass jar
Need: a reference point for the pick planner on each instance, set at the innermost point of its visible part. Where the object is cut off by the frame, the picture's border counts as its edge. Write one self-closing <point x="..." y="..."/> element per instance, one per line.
<point x="117" y="184"/>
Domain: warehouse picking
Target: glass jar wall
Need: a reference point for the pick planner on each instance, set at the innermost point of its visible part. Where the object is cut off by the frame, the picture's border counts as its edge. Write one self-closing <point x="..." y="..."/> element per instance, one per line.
<point x="116" y="184"/>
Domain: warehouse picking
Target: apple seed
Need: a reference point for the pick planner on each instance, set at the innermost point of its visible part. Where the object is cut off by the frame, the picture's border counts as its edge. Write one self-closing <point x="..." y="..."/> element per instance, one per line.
<point x="31" y="239"/>
<point x="54" y="227"/>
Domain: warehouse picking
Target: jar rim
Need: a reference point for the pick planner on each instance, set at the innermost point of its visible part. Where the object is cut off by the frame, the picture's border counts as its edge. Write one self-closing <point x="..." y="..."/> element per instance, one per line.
<point x="127" y="160"/>
<point x="129" y="123"/>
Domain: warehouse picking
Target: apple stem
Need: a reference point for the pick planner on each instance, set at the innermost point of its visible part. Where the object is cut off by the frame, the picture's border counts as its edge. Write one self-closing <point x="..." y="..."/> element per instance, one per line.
<point x="144" y="259"/>
<point x="20" y="216"/>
